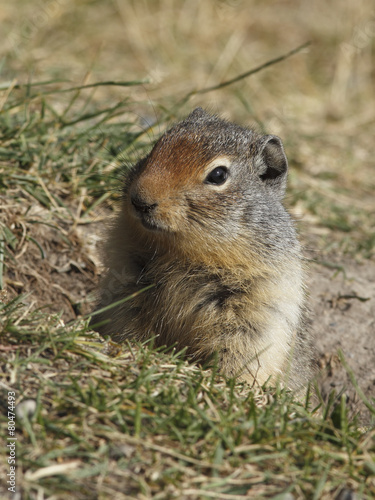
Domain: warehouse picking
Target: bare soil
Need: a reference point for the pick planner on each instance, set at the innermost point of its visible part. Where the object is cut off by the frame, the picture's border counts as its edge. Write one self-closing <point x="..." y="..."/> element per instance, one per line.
<point x="51" y="263"/>
<point x="343" y="318"/>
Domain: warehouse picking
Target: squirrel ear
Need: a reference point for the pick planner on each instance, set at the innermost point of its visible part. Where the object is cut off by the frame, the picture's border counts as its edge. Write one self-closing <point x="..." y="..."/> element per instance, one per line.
<point x="271" y="162"/>
<point x="197" y="113"/>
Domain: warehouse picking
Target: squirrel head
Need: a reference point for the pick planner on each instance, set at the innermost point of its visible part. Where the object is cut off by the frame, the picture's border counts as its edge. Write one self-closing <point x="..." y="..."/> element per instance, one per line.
<point x="207" y="179"/>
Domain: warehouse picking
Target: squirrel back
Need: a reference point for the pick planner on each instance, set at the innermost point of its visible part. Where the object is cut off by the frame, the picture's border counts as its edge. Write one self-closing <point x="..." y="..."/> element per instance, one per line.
<point x="202" y="221"/>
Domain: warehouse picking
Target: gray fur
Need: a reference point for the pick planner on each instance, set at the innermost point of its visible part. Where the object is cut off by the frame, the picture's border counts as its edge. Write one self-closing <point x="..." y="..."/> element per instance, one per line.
<point x="224" y="261"/>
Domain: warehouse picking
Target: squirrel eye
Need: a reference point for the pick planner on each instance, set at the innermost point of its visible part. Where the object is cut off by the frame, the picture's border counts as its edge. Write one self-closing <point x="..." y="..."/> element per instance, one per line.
<point x="218" y="176"/>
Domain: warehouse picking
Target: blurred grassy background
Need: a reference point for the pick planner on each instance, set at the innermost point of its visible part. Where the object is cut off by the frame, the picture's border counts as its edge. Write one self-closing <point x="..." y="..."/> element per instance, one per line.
<point x="321" y="101"/>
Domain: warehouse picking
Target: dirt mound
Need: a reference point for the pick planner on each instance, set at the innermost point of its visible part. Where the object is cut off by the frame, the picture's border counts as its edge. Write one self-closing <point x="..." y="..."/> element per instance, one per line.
<point x="342" y="299"/>
<point x="46" y="259"/>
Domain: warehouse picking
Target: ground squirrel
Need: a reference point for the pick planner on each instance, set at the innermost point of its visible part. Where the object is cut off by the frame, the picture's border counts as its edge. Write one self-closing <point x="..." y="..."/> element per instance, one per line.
<point x="202" y="220"/>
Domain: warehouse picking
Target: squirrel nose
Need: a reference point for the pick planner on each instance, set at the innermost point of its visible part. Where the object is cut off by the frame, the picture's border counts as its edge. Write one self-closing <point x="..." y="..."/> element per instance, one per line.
<point x="142" y="207"/>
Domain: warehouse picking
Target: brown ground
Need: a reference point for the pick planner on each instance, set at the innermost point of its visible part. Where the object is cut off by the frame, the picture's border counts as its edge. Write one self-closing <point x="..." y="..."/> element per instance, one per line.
<point x="343" y="318"/>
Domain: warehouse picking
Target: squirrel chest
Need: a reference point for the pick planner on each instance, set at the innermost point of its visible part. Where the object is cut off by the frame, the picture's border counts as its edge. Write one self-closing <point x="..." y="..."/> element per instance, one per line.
<point x="206" y="255"/>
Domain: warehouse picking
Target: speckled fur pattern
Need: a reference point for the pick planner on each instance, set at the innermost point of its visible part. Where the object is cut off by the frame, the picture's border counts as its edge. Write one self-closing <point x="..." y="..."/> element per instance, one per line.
<point x="223" y="260"/>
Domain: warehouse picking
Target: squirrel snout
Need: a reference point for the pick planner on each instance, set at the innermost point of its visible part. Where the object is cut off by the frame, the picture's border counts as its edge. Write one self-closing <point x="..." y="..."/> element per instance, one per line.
<point x="142" y="207"/>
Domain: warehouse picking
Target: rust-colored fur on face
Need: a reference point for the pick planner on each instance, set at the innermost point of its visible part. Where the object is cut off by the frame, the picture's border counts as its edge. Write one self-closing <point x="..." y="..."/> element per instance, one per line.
<point x="202" y="221"/>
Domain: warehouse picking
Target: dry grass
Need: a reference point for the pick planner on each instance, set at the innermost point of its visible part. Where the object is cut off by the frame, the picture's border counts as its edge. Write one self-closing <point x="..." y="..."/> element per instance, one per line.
<point x="135" y="423"/>
<point x="320" y="101"/>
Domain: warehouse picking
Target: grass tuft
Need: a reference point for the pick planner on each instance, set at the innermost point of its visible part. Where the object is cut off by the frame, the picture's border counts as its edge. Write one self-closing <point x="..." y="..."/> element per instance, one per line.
<point x="125" y="421"/>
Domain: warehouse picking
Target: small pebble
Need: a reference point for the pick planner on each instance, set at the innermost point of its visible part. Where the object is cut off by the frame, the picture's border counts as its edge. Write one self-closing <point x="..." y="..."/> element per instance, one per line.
<point x="346" y="494"/>
<point x="26" y="409"/>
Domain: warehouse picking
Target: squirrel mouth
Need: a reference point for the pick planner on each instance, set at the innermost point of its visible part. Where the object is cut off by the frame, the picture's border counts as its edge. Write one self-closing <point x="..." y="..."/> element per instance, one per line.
<point x="149" y="216"/>
<point x="150" y="224"/>
<point x="144" y="212"/>
<point x="154" y="225"/>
